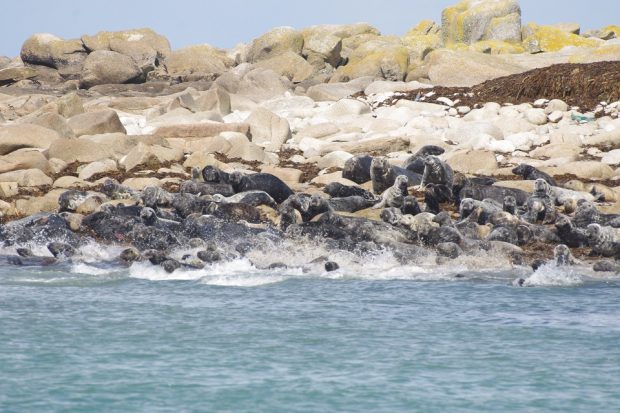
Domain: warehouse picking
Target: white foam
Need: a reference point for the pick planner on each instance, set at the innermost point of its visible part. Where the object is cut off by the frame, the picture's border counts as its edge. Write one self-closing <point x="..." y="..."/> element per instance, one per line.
<point x="549" y="275"/>
<point x="83" y="268"/>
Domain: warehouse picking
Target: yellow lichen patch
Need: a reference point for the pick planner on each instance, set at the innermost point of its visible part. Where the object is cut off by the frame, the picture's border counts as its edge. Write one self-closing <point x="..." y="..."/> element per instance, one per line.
<point x="424" y="27"/>
<point x="551" y="39"/>
<point x="610" y="32"/>
<point x="420" y="45"/>
<point x="497" y="47"/>
<point x="377" y="59"/>
<point x="601" y="54"/>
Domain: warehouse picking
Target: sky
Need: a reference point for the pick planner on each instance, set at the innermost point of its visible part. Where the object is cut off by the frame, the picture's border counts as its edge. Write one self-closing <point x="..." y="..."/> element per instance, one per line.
<point x="226" y="23"/>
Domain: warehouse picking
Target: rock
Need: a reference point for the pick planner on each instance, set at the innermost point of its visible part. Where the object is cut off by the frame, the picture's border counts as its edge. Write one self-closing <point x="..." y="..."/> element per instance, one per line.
<point x="7" y="209"/>
<point x="555" y="116"/>
<point x="200" y="130"/>
<point x="600" y="54"/>
<point x="26" y="177"/>
<point x="289" y="64"/>
<point x="556" y="105"/>
<point x="464" y="68"/>
<point x="611" y="157"/>
<point x="8" y="189"/>
<point x="98" y="167"/>
<point x="376" y="58"/>
<point x="150" y="157"/>
<point x="472" y="20"/>
<point x="119" y="143"/>
<point x="24" y="159"/>
<point x="196" y="62"/>
<point x="102" y="67"/>
<point x="326" y="179"/>
<point x="561" y="150"/>
<point x="15" y="74"/>
<point x="216" y="99"/>
<point x="268" y="129"/>
<point x="79" y="150"/>
<point x="420" y="45"/>
<point x="241" y="147"/>
<point x="317" y="131"/>
<point x="347" y="107"/>
<point x="202" y="159"/>
<point x="69" y="182"/>
<point x="573" y="28"/>
<point x="586" y="170"/>
<point x="144" y="46"/>
<point x="536" y="116"/>
<point x="472" y="162"/>
<point x="384" y="86"/>
<point x="290" y="176"/>
<point x="337" y="91"/>
<point x="50" y="120"/>
<point x="70" y="105"/>
<point x="321" y="46"/>
<point x="33" y="205"/>
<point x="13" y="137"/>
<point x="552" y="39"/>
<point x="335" y="159"/>
<point x="139" y="184"/>
<point x="258" y="85"/>
<point x="605" y="139"/>
<point x="48" y="50"/>
<point x="378" y="144"/>
<point x="275" y="42"/>
<point x="56" y="166"/>
<point x="94" y="123"/>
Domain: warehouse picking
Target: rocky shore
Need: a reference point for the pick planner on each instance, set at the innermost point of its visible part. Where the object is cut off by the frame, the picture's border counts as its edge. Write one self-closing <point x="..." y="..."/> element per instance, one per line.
<point x="507" y="135"/>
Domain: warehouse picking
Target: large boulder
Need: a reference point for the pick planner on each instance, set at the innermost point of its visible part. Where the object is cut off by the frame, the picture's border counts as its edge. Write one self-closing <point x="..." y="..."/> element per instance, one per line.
<point x="289" y="64"/>
<point x="553" y="39"/>
<point x="14" y="137"/>
<point x="268" y="129"/>
<point x="200" y="61"/>
<point x="473" y="20"/>
<point x="465" y="68"/>
<point x="27" y="177"/>
<point x="150" y="156"/>
<point x="379" y="58"/>
<point x="26" y="158"/>
<point x="48" y="50"/>
<point x="15" y="74"/>
<point x="146" y="47"/>
<point x="103" y="67"/>
<point x="321" y="45"/>
<point x="50" y="120"/>
<point x="275" y="42"/>
<point x="94" y="123"/>
<point x="79" y="150"/>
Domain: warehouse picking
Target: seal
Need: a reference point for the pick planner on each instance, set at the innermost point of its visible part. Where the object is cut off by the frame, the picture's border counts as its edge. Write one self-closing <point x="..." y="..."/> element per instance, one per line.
<point x="357" y="168"/>
<point x="487" y="208"/>
<point x="415" y="163"/>
<point x="155" y="197"/>
<point x="586" y="214"/>
<point x="541" y="195"/>
<point x="113" y="190"/>
<point x="410" y="206"/>
<point x="393" y="196"/>
<point x="563" y="256"/>
<point x="269" y="183"/>
<point x="570" y="235"/>
<point x="510" y="204"/>
<point x="383" y="175"/>
<point x="494" y="192"/>
<point x="529" y="173"/>
<point x="350" y="203"/>
<point x="234" y="212"/>
<point x="437" y="172"/>
<point x="206" y="188"/>
<point x="70" y="200"/>
<point x="253" y="198"/>
<point x="434" y="195"/>
<point x="338" y="190"/>
<point x="604" y="241"/>
<point x="214" y="175"/>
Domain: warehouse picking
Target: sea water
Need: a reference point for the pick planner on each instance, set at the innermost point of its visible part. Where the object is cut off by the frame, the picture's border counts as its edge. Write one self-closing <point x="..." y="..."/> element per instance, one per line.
<point x="379" y="338"/>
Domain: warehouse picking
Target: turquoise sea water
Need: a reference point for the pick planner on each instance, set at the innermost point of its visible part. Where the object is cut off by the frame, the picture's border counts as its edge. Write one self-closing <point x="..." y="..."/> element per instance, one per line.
<point x="78" y="340"/>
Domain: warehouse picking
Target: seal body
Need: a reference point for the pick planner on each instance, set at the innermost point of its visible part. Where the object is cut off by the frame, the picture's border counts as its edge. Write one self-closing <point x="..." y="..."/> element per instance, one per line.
<point x="530" y="173"/>
<point x="269" y="183"/>
<point x="357" y="169"/>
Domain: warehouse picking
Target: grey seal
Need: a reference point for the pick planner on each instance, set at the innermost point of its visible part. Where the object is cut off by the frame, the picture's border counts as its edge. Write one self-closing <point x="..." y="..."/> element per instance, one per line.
<point x="604" y="241"/>
<point x="437" y="172"/>
<point x="393" y="196"/>
<point x="338" y="190"/>
<point x="357" y="168"/>
<point x="269" y="183"/>
<point x="383" y="175"/>
<point x="415" y="163"/>
<point x="530" y="173"/>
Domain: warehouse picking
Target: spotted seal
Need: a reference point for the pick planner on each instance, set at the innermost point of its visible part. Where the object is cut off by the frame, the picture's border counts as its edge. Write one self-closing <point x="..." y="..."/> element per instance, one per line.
<point x="415" y="163"/>
<point x="530" y="173"/>
<point x="437" y="172"/>
<point x="604" y="241"/>
<point x="269" y="183"/>
<point x="393" y="196"/>
<point x="383" y="175"/>
<point x="563" y="256"/>
<point x="338" y="190"/>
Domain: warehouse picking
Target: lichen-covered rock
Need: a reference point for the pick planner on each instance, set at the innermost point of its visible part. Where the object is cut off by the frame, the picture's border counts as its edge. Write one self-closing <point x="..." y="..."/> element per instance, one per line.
<point x="552" y="39"/>
<point x="605" y="53"/>
<point x="275" y="42"/>
<point x="473" y="20"/>
<point x="103" y="67"/>
<point x="46" y="49"/>
<point x="497" y="47"/>
<point x="322" y="46"/>
<point x="144" y="46"/>
<point x="379" y="58"/>
<point x="289" y="64"/>
<point x="420" y="45"/>
<point x="200" y="61"/>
